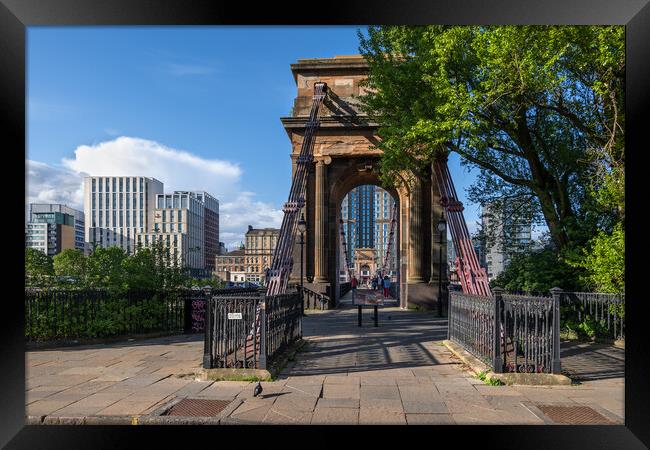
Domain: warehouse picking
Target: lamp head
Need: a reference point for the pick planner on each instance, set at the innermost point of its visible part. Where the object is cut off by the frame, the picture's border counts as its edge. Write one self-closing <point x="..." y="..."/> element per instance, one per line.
<point x="302" y="224"/>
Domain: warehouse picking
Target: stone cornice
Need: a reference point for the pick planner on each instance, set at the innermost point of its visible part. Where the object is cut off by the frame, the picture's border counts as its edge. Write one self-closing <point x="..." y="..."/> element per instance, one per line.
<point x="351" y="122"/>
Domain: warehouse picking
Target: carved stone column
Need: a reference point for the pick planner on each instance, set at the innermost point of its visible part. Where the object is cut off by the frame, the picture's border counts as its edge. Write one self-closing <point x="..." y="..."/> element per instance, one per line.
<point x="438" y="255"/>
<point x="415" y="234"/>
<point x="320" y="257"/>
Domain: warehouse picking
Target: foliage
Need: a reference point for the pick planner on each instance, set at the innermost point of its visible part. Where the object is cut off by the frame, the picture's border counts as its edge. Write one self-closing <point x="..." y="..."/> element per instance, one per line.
<point x="73" y="264"/>
<point x="537" y="109"/>
<point x="489" y="381"/>
<point x="111" y="268"/>
<point x="101" y="313"/>
<point x="537" y="271"/>
<point x="604" y="261"/>
<point x="39" y="268"/>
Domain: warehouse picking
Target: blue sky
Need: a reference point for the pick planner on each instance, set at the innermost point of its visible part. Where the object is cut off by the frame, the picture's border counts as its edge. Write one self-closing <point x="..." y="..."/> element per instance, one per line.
<point x="199" y="107"/>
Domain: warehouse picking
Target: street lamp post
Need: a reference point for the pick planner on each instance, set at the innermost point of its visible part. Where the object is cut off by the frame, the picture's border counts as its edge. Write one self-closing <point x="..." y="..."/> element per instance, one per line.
<point x="442" y="229"/>
<point x="302" y="227"/>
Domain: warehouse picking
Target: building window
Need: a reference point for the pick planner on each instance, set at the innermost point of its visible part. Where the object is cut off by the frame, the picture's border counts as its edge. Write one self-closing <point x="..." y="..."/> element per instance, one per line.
<point x="160" y="202"/>
<point x="114" y="184"/>
<point x="141" y="185"/>
<point x="100" y="184"/>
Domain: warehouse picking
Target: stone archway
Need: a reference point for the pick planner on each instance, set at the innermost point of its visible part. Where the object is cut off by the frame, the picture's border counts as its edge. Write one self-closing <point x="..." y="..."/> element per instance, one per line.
<point x="346" y="156"/>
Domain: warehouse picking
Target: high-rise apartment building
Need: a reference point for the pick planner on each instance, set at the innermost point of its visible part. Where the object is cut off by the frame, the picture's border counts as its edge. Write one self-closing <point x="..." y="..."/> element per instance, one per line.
<point x="118" y="208"/>
<point x="210" y="227"/>
<point x="51" y="213"/>
<point x="508" y="233"/>
<point x="259" y="248"/>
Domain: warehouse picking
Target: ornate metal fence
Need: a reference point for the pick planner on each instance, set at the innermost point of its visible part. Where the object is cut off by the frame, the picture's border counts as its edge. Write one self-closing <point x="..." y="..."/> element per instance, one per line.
<point x="510" y="333"/>
<point x="530" y="333"/>
<point x="196" y="301"/>
<point x="604" y="312"/>
<point x="63" y="314"/>
<point x="472" y="324"/>
<point x="315" y="300"/>
<point x="229" y="342"/>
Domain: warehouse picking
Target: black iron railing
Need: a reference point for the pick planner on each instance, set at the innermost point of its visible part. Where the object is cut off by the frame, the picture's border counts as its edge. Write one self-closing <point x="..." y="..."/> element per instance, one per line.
<point x="510" y="333"/>
<point x="62" y="314"/>
<point x="472" y="325"/>
<point x="602" y="313"/>
<point x="232" y="339"/>
<point x="530" y="333"/>
<point x="195" y="305"/>
<point x="314" y="300"/>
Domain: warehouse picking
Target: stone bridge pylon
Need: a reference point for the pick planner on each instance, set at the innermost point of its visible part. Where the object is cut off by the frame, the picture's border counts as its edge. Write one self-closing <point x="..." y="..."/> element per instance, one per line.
<point x="345" y="156"/>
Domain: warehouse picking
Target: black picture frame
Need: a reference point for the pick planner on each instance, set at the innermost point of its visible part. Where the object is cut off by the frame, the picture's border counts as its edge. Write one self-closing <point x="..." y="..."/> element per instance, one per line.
<point x="16" y="15"/>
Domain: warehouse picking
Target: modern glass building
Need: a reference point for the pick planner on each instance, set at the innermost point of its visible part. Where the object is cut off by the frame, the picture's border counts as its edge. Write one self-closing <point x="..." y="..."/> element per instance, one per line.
<point x="53" y="228"/>
<point x="47" y="212"/>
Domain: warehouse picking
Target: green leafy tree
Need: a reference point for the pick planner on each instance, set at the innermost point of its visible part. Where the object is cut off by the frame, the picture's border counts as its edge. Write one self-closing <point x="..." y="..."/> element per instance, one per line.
<point x="39" y="268"/>
<point x="538" y="272"/>
<point x="106" y="269"/>
<point x="604" y="261"/>
<point x="72" y="263"/>
<point x="532" y="107"/>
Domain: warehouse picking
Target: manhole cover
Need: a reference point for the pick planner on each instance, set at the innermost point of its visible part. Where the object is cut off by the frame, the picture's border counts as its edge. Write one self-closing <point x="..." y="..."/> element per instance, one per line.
<point x="574" y="415"/>
<point x="196" y="407"/>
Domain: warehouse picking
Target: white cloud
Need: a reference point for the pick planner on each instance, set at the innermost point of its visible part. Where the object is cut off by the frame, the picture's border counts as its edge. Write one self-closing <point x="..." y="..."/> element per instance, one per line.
<point x="176" y="169"/>
<point x="48" y="184"/>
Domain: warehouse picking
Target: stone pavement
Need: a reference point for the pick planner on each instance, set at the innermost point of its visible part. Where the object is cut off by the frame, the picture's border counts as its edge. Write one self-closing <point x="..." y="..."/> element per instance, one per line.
<point x="398" y="373"/>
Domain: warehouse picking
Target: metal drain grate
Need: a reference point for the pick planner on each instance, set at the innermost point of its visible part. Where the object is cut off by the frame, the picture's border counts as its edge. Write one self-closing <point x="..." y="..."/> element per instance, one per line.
<point x="196" y="407"/>
<point x="574" y="415"/>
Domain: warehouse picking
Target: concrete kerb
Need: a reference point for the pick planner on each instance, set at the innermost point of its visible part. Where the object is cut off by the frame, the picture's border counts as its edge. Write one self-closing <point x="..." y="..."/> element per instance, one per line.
<point x="512" y="379"/>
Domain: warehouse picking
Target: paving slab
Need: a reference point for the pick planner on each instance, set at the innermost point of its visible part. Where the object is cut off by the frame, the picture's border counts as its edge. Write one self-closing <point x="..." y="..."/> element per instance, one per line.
<point x="430" y="419"/>
<point x="380" y="416"/>
<point x="338" y="403"/>
<point x="335" y="416"/>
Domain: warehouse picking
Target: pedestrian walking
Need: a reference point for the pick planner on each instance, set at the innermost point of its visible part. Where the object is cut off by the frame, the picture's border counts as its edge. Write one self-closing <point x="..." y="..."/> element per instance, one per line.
<point x="374" y="284"/>
<point x="386" y="284"/>
<point x="354" y="282"/>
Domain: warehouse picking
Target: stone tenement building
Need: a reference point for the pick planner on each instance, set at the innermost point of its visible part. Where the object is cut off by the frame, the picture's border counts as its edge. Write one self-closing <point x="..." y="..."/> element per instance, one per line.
<point x="231" y="266"/>
<point x="259" y="248"/>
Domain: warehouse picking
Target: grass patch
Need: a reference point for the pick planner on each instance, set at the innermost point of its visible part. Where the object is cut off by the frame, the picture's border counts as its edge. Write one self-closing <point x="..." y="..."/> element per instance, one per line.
<point x="483" y="376"/>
